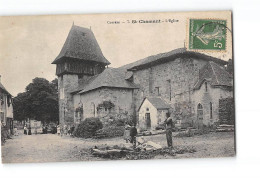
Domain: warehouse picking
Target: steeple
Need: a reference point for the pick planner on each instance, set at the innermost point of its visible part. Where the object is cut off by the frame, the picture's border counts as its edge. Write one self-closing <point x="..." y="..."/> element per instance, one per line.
<point x="80" y="54"/>
<point x="81" y="44"/>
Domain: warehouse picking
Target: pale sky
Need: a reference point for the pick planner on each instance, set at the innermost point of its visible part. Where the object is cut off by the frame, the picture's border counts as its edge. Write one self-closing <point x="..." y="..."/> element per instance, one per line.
<point x="28" y="44"/>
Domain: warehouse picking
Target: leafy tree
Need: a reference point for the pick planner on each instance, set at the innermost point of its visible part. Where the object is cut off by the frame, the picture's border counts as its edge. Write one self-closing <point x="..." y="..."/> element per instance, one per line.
<point x="39" y="101"/>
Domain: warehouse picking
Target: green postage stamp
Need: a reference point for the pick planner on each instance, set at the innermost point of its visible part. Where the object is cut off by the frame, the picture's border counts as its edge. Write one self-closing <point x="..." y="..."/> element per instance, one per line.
<point x="207" y="34"/>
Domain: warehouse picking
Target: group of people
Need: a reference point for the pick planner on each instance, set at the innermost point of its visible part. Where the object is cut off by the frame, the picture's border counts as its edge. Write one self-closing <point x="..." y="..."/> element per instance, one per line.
<point x="131" y="131"/>
<point x="65" y="130"/>
<point x="27" y="130"/>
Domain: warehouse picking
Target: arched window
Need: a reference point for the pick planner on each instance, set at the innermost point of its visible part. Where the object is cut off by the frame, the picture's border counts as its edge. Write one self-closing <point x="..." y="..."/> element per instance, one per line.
<point x="211" y="109"/>
<point x="206" y="87"/>
<point x="200" y="111"/>
<point x="93" y="108"/>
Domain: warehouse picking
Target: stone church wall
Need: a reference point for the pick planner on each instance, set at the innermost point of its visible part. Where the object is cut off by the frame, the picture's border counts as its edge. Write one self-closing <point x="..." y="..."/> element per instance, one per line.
<point x="66" y="84"/>
<point x="173" y="81"/>
<point x="121" y="99"/>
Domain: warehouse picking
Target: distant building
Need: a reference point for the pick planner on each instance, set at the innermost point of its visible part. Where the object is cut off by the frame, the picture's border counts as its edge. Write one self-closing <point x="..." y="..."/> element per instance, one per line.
<point x="171" y="82"/>
<point x="6" y="109"/>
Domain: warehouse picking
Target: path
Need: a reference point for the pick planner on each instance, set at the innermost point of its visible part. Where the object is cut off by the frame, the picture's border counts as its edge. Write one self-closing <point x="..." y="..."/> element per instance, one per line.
<point x="53" y="148"/>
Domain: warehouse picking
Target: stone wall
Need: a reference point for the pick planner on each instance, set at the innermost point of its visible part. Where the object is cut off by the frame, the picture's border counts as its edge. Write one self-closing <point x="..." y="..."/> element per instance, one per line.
<point x="208" y="98"/>
<point x="66" y="84"/>
<point x="227" y="111"/>
<point x="175" y="81"/>
<point x="147" y="108"/>
<point x="121" y="98"/>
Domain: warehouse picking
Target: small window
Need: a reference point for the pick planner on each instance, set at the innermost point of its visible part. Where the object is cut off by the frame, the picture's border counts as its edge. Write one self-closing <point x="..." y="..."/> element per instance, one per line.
<point x="211" y="110"/>
<point x="147" y="109"/>
<point x="206" y="87"/>
<point x="157" y="90"/>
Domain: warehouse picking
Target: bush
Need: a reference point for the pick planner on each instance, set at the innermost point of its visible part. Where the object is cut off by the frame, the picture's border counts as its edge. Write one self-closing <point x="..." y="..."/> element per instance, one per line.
<point x="88" y="128"/>
<point x="117" y="122"/>
<point x="110" y="131"/>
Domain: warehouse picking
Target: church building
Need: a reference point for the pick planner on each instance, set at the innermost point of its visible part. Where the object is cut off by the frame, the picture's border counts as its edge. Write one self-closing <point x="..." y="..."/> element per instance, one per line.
<point x="184" y="83"/>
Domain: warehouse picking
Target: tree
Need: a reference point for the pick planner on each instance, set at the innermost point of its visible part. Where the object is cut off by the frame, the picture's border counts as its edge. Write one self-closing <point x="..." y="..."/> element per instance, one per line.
<point x="39" y="101"/>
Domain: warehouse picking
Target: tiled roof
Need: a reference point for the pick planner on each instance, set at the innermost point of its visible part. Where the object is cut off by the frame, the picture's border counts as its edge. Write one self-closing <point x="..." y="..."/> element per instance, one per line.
<point x="169" y="56"/>
<point x="215" y="74"/>
<point x="157" y="102"/>
<point x="110" y="77"/>
<point x="81" y="44"/>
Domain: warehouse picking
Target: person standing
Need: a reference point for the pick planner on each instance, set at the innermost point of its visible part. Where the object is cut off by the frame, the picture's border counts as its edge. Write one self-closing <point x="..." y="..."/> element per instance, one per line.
<point x="29" y="130"/>
<point x="65" y="130"/>
<point x="169" y="125"/>
<point x="58" y="129"/>
<point x="133" y="134"/>
<point x="127" y="132"/>
<point x="25" y="130"/>
<point x="72" y="129"/>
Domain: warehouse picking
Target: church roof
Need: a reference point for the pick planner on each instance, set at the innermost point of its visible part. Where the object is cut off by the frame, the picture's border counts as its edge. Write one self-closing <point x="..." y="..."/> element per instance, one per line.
<point x="81" y="44"/>
<point x="110" y="77"/>
<point x="157" y="102"/>
<point x="215" y="74"/>
<point x="169" y="56"/>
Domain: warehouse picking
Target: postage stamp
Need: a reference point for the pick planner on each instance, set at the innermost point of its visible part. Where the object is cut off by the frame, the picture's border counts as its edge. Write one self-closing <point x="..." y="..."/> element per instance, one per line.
<point x="207" y="34"/>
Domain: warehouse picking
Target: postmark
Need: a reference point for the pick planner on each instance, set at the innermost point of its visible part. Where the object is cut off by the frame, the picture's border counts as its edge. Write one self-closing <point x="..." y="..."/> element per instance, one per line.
<point x="207" y="34"/>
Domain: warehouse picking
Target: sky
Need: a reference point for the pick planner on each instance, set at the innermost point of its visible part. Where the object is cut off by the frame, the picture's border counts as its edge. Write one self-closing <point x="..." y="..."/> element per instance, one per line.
<point x="28" y="44"/>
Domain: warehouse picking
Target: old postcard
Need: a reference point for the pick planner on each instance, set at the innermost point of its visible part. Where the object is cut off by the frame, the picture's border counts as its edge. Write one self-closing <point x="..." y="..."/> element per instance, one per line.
<point x="117" y="87"/>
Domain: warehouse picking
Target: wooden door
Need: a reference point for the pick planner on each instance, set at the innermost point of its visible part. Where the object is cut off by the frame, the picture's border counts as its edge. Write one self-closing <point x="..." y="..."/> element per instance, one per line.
<point x="148" y="120"/>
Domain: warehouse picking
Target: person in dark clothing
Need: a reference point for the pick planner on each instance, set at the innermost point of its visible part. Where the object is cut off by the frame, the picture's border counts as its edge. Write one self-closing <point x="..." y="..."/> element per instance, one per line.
<point x="133" y="134"/>
<point x="169" y="125"/>
<point x="72" y="129"/>
<point x="29" y="130"/>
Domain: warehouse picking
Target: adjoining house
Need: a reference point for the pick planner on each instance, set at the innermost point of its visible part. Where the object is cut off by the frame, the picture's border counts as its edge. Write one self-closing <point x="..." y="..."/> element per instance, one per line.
<point x="152" y="112"/>
<point x="214" y="83"/>
<point x="176" y="79"/>
<point x="6" y="109"/>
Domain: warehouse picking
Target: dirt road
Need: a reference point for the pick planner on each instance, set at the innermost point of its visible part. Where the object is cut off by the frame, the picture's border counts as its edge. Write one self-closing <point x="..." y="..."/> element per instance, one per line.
<point x="53" y="148"/>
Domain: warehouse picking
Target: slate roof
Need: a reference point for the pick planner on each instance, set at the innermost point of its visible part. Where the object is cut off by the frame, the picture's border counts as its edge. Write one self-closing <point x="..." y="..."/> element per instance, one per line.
<point x="4" y="89"/>
<point x="157" y="102"/>
<point x="81" y="44"/>
<point x="215" y="74"/>
<point x="110" y="77"/>
<point x="169" y="56"/>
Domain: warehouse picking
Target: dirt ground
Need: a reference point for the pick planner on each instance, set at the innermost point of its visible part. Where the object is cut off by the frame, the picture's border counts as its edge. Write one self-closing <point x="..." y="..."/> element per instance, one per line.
<point x="53" y="148"/>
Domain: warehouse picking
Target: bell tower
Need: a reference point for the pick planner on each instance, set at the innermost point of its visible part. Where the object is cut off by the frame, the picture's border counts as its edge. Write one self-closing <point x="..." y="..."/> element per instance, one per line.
<point x="79" y="59"/>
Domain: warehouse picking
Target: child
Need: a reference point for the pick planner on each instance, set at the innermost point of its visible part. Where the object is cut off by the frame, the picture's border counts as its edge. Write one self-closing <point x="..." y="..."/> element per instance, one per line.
<point x="127" y="133"/>
<point x="58" y="129"/>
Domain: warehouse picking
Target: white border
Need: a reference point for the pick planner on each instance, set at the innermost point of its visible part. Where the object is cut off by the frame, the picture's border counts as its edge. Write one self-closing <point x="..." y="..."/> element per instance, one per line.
<point x="247" y="67"/>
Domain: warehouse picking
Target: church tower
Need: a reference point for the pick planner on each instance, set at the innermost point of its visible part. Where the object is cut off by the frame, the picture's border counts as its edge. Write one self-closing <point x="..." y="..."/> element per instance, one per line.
<point x="79" y="59"/>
